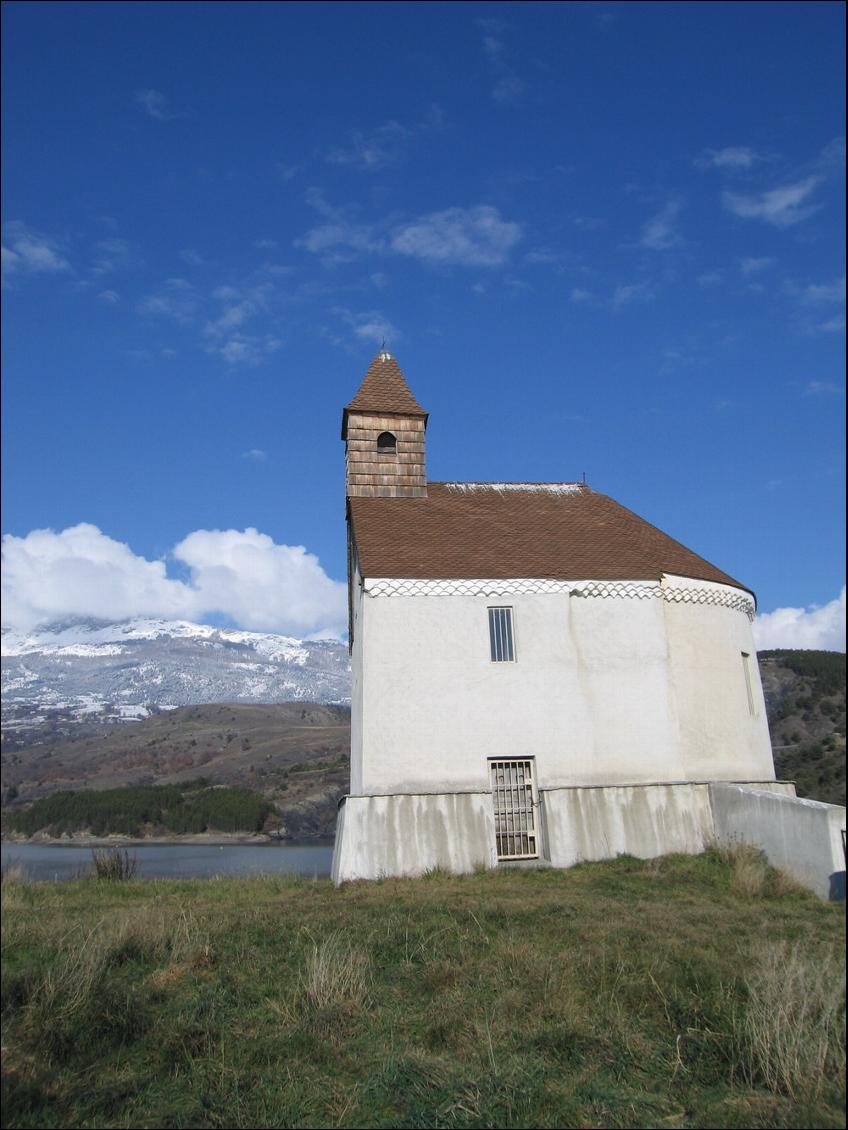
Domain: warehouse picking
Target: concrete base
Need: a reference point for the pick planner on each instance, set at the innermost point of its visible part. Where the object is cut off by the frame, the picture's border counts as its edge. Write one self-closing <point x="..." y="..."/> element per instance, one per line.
<point x="804" y="838"/>
<point x="402" y="834"/>
<point x="409" y="834"/>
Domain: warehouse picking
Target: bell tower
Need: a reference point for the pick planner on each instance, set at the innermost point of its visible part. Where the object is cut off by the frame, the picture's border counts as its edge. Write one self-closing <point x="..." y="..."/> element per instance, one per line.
<point x="383" y="429"/>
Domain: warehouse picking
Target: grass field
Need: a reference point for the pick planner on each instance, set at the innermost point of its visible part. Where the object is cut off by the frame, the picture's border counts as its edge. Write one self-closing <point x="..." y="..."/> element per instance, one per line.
<point x="702" y="991"/>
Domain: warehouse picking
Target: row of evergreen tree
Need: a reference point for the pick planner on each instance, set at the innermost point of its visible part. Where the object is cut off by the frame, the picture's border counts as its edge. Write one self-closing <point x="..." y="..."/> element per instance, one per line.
<point x="134" y="811"/>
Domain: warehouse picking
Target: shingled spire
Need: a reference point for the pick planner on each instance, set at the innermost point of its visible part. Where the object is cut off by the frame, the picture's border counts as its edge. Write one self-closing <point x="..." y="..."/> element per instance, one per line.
<point x="383" y="429"/>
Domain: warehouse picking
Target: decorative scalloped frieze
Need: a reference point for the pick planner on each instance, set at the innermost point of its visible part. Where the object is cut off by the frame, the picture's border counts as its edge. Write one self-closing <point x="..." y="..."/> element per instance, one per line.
<point x="721" y="596"/>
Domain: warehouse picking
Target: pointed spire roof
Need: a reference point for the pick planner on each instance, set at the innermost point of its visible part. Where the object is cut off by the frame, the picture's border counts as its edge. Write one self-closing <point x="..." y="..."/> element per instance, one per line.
<point x="384" y="392"/>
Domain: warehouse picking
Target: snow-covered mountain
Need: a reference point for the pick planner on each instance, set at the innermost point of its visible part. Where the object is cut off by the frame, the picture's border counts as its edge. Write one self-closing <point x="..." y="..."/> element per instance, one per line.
<point x="97" y="671"/>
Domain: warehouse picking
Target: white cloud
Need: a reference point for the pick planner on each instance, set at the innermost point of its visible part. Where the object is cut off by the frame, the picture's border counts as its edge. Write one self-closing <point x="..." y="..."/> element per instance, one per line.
<point x="373" y="152"/>
<point x="156" y="105"/>
<point x="508" y="87"/>
<point x="109" y="296"/>
<point x="833" y="325"/>
<point x="231" y="318"/>
<point x="247" y="349"/>
<point x="710" y="278"/>
<point x="112" y="254"/>
<point x="660" y="232"/>
<point x="471" y="237"/>
<point x="817" y="628"/>
<point x="255" y="455"/>
<point x="731" y="157"/>
<point x="27" y="252"/>
<point x="244" y="575"/>
<point x="824" y="293"/>
<point x="823" y="388"/>
<point x="340" y="231"/>
<point x="814" y="300"/>
<point x="752" y="265"/>
<point x="634" y="292"/>
<point x="370" y="325"/>
<point x="782" y="206"/>
<point x="175" y="299"/>
<point x="578" y="294"/>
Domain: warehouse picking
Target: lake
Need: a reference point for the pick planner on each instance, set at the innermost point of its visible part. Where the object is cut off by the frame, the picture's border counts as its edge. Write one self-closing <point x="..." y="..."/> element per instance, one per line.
<point x="179" y="861"/>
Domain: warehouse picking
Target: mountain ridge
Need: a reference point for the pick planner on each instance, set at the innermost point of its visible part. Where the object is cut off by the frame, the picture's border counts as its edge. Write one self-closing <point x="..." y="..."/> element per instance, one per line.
<point x="75" y="675"/>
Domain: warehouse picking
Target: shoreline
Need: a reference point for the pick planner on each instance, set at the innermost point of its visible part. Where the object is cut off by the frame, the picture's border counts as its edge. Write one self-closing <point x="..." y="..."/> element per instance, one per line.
<point x="208" y="839"/>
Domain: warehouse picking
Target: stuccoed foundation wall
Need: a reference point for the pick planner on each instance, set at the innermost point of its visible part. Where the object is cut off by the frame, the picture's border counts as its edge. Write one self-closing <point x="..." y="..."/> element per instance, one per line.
<point x="381" y="836"/>
<point x="804" y="838"/>
<point x="605" y="690"/>
<point x="406" y="835"/>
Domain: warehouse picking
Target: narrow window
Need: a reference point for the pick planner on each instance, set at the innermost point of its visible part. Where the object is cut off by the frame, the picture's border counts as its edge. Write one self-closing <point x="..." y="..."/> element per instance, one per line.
<point x="500" y="635"/>
<point x="387" y="443"/>
<point x="513" y="798"/>
<point x="749" y="686"/>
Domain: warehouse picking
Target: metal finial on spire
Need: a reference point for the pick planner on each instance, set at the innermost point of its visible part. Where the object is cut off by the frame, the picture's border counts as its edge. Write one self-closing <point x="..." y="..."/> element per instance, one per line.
<point x="384" y="353"/>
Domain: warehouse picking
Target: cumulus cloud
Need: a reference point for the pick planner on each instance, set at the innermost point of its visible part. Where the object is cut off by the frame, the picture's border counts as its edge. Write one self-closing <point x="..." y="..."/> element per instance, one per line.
<point x="471" y="237"/>
<point x="816" y="628"/>
<point x="27" y="252"/>
<point x="242" y="574"/>
<point x="783" y="206"/>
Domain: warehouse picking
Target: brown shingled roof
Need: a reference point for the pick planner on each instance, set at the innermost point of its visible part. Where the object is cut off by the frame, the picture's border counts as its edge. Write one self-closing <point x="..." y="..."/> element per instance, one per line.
<point x="383" y="392"/>
<point x="564" y="531"/>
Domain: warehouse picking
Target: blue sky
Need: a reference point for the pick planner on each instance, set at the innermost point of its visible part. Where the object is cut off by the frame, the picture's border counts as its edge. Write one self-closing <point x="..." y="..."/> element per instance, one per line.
<point x="598" y="237"/>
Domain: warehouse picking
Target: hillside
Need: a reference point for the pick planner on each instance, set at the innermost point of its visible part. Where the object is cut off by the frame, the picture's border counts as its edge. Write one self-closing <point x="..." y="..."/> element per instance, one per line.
<point x="685" y="991"/>
<point x="295" y="755"/>
<point x="805" y="699"/>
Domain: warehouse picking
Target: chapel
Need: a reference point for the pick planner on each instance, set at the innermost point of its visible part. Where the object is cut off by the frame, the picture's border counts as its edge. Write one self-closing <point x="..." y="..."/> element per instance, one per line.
<point x="540" y="676"/>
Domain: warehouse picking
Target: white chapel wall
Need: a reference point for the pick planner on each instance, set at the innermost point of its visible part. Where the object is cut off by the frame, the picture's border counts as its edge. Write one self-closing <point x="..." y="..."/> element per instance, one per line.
<point x="604" y="691"/>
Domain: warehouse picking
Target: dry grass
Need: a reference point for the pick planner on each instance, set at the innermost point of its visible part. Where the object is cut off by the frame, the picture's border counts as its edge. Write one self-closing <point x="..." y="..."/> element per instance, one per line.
<point x="749" y="874"/>
<point x="791" y="1033"/>
<point x="13" y="873"/>
<point x="336" y="974"/>
<point x="68" y="989"/>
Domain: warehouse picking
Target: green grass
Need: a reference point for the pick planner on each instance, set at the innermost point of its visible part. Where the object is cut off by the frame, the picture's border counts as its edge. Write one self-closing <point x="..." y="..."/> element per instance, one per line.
<point x="677" y="992"/>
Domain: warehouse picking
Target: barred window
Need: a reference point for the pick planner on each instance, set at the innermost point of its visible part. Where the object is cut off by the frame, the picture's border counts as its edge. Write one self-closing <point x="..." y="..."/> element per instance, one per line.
<point x="500" y="635"/>
<point x="514" y="801"/>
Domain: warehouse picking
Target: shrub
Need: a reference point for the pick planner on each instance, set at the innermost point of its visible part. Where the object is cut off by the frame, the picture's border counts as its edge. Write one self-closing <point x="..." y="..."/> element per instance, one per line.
<point x="113" y="864"/>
